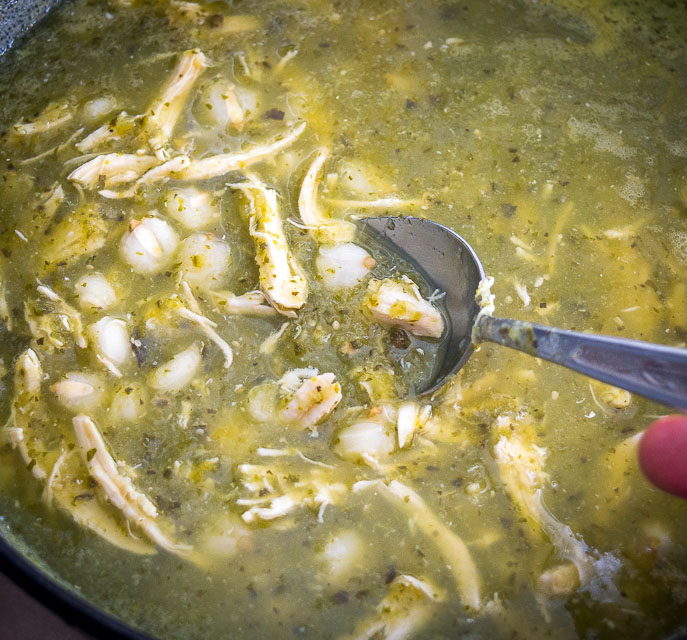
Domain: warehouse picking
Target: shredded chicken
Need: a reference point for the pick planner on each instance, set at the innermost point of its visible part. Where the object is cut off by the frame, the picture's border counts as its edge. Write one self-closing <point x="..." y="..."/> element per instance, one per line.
<point x="51" y="327"/>
<point x="208" y="327"/>
<point x="315" y="399"/>
<point x="79" y="234"/>
<point x="28" y="374"/>
<point x="281" y="277"/>
<point x="120" y="491"/>
<point x="61" y="307"/>
<point x="449" y="544"/>
<point x="387" y="203"/>
<point x="66" y="489"/>
<point x="51" y="118"/>
<point x="219" y="165"/>
<point x="411" y="417"/>
<point x="253" y="303"/>
<point x="163" y="114"/>
<point x="111" y="131"/>
<point x="397" y="302"/>
<point x="111" y="169"/>
<point x="277" y="493"/>
<point x="161" y="173"/>
<point x="322" y="227"/>
<point x="403" y="612"/>
<point x="270" y="343"/>
<point x="521" y="465"/>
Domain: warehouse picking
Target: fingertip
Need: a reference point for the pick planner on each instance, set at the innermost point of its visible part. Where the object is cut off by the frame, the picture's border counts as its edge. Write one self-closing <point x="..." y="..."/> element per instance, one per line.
<point x="663" y="454"/>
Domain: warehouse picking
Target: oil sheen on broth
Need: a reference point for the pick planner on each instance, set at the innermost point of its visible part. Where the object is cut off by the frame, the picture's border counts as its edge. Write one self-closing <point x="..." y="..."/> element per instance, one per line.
<point x="212" y="428"/>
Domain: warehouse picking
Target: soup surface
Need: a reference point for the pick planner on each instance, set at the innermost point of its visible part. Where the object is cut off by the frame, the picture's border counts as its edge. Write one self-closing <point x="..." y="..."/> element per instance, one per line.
<point x="209" y="380"/>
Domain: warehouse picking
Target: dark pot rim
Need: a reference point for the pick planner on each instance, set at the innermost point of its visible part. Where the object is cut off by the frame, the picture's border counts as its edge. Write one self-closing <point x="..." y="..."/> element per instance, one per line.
<point x="70" y="607"/>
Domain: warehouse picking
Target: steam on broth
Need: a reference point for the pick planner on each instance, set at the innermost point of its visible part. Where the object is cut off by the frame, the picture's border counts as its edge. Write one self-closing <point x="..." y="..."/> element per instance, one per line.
<point x="209" y="381"/>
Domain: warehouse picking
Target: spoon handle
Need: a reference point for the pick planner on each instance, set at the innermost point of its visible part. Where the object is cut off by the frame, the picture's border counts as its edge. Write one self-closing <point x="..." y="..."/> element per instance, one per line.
<point x="651" y="370"/>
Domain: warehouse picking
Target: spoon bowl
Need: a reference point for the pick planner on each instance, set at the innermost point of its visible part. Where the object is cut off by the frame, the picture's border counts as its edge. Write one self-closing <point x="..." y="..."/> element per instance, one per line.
<point x="447" y="262"/>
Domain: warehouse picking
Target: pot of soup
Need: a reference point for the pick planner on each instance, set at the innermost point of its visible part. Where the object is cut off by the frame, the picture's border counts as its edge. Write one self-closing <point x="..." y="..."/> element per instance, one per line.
<point x="212" y="425"/>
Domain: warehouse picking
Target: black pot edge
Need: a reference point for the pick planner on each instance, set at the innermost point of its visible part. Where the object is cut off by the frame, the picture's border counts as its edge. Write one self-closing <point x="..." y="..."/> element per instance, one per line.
<point x="17" y="19"/>
<point x="71" y="608"/>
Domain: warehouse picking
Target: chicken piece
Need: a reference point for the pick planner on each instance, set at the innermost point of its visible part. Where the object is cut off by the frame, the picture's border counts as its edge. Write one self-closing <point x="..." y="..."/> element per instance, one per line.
<point x="208" y="327"/>
<point x="77" y="235"/>
<point x="54" y="116"/>
<point x="110" y="132"/>
<point x="322" y="227"/>
<point x="269" y="344"/>
<point x="161" y="173"/>
<point x="162" y="115"/>
<point x="67" y="488"/>
<point x="383" y="204"/>
<point x="5" y="315"/>
<point x="67" y="311"/>
<point x="343" y="265"/>
<point x="119" y="489"/>
<point x="397" y="302"/>
<point x="281" y="278"/>
<point x="410" y="418"/>
<point x="52" y="321"/>
<point x="111" y="169"/>
<point x="252" y="303"/>
<point x="50" y="201"/>
<point x="314" y="399"/>
<point x="277" y="493"/>
<point x="221" y="164"/>
<point x="619" y="464"/>
<point x="45" y="205"/>
<point x="28" y="374"/>
<point x="403" y="612"/>
<point x="448" y="543"/>
<point x="521" y="466"/>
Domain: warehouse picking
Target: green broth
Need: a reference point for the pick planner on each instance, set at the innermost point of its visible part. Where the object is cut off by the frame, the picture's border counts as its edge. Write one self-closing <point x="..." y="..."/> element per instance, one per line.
<point x="551" y="135"/>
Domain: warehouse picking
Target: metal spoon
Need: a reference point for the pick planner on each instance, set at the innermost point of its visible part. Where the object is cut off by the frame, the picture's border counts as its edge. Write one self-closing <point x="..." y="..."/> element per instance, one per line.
<point x="451" y="265"/>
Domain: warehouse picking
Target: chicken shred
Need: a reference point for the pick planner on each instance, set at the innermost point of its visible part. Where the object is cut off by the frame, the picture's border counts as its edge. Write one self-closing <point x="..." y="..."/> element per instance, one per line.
<point x="111" y="169"/>
<point x="397" y="302"/>
<point x="322" y="227"/>
<point x="221" y="164"/>
<point x="405" y="609"/>
<point x="163" y="114"/>
<point x="315" y="399"/>
<point x="449" y="544"/>
<point x="119" y="489"/>
<point x="281" y="278"/>
<point x="252" y="303"/>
